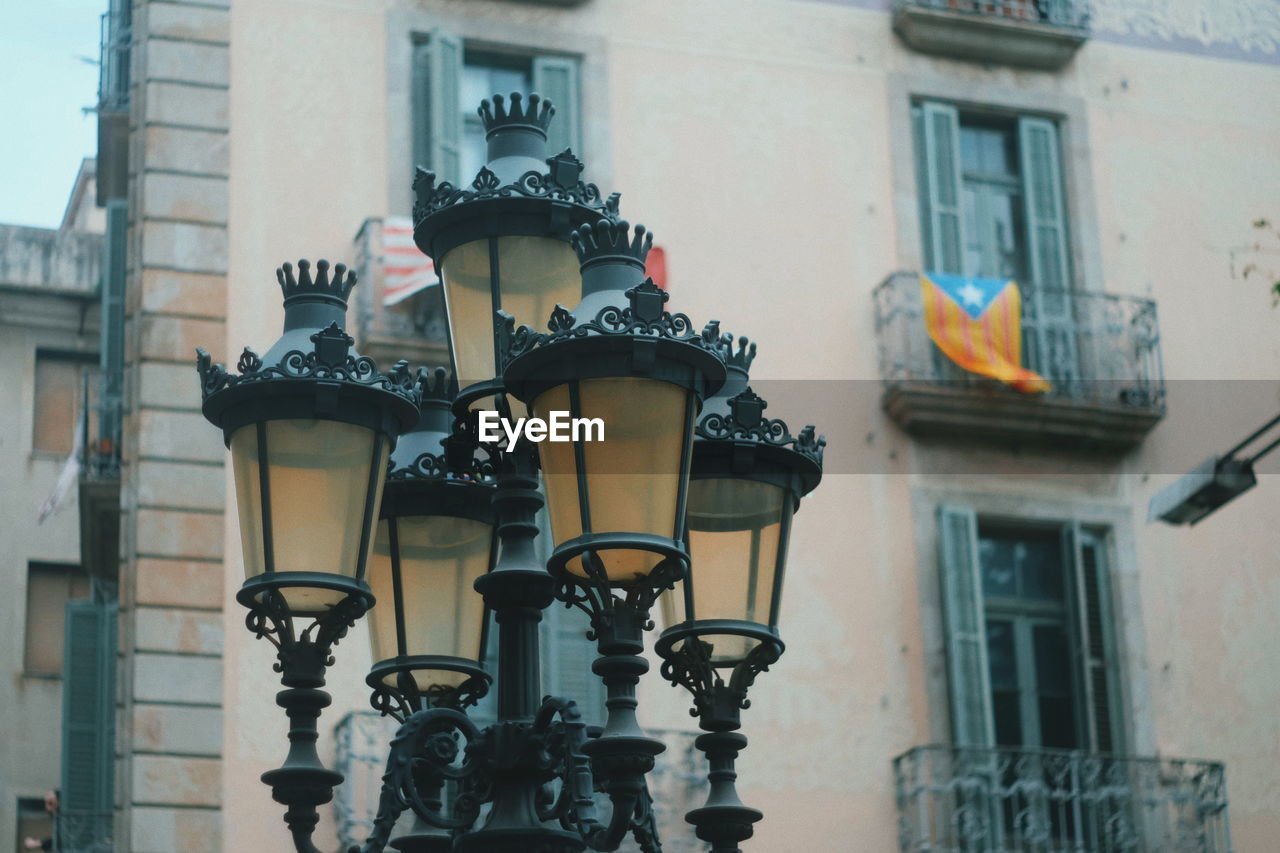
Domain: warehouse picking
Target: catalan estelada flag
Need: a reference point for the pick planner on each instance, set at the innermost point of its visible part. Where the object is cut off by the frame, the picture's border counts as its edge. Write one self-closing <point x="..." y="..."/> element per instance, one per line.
<point x="977" y="322"/>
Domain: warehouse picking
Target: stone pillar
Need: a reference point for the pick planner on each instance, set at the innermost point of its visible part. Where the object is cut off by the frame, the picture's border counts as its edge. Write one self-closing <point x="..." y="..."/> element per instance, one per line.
<point x="169" y="733"/>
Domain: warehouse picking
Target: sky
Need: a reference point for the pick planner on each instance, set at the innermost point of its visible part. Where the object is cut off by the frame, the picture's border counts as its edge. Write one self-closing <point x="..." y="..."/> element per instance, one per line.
<point x="48" y="75"/>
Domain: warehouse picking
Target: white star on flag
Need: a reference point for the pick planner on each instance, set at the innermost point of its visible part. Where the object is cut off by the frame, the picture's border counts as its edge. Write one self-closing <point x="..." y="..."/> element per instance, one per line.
<point x="970" y="294"/>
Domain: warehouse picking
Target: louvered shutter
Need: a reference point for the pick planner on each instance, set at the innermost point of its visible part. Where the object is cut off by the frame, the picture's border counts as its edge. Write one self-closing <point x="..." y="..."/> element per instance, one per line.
<point x="88" y="709"/>
<point x="944" y="248"/>
<point x="567" y="658"/>
<point x="1047" y="304"/>
<point x="565" y="652"/>
<point x="1096" y="661"/>
<point x="556" y="78"/>
<point x="972" y="721"/>
<point x="437" y="113"/>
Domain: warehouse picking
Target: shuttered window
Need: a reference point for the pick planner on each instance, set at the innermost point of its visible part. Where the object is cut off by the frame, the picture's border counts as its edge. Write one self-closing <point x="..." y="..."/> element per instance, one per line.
<point x="450" y="79"/>
<point x="65" y="388"/>
<point x="1031" y="652"/>
<point x="49" y="587"/>
<point x="992" y="205"/>
<point x="88" y="712"/>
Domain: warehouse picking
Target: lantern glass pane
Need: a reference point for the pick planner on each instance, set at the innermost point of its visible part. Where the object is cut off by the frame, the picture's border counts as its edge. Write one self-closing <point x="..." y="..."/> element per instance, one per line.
<point x="734" y="529"/>
<point x="633" y="475"/>
<point x="440" y="559"/>
<point x="318" y="480"/>
<point x="535" y="273"/>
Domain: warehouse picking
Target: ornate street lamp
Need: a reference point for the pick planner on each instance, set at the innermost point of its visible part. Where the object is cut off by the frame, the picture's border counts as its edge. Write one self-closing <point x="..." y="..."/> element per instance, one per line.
<point x="749" y="474"/>
<point x="435" y="537"/>
<point x="310" y="426"/>
<point x="627" y="507"/>
<point x="502" y="243"/>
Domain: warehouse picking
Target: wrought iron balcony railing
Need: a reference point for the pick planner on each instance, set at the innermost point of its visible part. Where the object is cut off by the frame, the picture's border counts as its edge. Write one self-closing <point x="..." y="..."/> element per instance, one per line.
<point x="1100" y="351"/>
<point x="1058" y="13"/>
<point x="1005" y="799"/>
<point x="113" y="71"/>
<point x="84" y="832"/>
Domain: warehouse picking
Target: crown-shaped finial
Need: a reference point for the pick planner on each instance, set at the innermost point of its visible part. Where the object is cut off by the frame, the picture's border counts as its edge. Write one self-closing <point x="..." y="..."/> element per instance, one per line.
<point x="323" y="286"/>
<point x="436" y="385"/>
<point x="607" y="240"/>
<point x="745" y="354"/>
<point x="533" y="113"/>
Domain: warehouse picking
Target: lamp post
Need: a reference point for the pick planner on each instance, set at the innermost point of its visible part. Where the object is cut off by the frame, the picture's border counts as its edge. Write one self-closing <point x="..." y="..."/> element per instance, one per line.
<point x="317" y="424"/>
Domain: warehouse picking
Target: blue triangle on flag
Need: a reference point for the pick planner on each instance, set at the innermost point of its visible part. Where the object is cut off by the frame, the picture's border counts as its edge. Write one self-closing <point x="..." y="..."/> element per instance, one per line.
<point x="971" y="293"/>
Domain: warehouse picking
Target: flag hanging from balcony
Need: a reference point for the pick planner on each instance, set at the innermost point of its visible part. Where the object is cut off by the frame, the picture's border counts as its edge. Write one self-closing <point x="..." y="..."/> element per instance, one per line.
<point x="405" y="269"/>
<point x="977" y="323"/>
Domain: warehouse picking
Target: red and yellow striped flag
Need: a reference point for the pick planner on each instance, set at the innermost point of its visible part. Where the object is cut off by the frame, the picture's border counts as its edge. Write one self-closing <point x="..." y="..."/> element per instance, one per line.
<point x="977" y="322"/>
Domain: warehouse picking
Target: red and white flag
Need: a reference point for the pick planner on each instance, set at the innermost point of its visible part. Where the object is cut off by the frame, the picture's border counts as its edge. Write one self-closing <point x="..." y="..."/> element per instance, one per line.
<point x="405" y="270"/>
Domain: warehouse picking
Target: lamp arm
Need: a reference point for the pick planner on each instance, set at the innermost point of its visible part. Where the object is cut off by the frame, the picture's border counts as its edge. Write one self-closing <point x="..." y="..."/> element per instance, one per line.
<point x="421" y="757"/>
<point x="575" y="807"/>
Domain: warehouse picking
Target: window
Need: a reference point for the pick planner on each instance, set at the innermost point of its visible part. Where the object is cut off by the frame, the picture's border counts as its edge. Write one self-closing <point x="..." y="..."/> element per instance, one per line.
<point x="65" y="386"/>
<point x="451" y="77"/>
<point x="1030" y="652"/>
<point x="34" y="821"/>
<point x="991" y="204"/>
<point x="49" y="588"/>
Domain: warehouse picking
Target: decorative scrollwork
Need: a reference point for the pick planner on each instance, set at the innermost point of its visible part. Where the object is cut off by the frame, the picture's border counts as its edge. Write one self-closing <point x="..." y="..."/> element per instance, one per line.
<point x="559" y="183"/>
<point x="745" y="421"/>
<point x="643" y="315"/>
<point x="689" y="666"/>
<point x="331" y="359"/>
<point x="423" y="754"/>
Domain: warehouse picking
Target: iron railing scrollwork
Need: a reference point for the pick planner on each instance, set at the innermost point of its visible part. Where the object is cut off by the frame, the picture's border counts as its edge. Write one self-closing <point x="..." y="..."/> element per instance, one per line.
<point x="84" y="832"/>
<point x="1025" y="800"/>
<point x="1101" y="348"/>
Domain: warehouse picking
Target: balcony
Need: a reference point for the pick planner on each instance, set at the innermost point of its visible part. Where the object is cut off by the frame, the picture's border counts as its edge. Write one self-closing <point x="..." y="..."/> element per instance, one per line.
<point x="1101" y="352"/>
<point x="1042" y="34"/>
<point x="392" y="327"/>
<point x="1013" y="799"/>
<point x="113" y="101"/>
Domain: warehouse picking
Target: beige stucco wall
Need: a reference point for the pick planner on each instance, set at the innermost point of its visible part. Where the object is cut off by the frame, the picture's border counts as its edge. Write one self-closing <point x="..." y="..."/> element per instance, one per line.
<point x="31" y="748"/>
<point x="763" y="142"/>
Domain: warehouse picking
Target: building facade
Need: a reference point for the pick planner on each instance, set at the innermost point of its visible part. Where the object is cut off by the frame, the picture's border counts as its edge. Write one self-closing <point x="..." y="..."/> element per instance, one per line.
<point x="975" y="602"/>
<point x="58" y="609"/>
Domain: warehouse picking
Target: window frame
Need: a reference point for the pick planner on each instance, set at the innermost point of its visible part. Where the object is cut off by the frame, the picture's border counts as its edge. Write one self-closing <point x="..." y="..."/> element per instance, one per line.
<point x="1132" y="710"/>
<point x="87" y="362"/>
<point x="491" y="31"/>
<point x="69" y="572"/>
<point x="1038" y="98"/>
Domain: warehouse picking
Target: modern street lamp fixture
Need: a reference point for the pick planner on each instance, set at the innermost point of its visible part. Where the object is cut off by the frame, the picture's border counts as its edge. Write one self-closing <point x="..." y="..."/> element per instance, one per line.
<point x="627" y="509"/>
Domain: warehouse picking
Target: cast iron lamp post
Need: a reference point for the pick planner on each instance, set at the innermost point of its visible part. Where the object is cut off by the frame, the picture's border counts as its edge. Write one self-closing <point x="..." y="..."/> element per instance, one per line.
<point x="322" y="538"/>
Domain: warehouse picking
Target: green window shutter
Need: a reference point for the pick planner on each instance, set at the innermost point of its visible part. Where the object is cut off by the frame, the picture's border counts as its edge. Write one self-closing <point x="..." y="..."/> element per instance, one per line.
<point x="88" y="708"/>
<point x="556" y="78"/>
<point x="944" y="247"/>
<point x="1096" y="660"/>
<point x="1047" y="305"/>
<point x="567" y="655"/>
<point x="1042" y="195"/>
<point x="437" y="114"/>
<point x="972" y="721"/>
